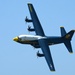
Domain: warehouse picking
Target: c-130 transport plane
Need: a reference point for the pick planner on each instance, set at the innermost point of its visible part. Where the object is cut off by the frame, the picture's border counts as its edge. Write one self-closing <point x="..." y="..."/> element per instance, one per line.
<point x="40" y="40"/>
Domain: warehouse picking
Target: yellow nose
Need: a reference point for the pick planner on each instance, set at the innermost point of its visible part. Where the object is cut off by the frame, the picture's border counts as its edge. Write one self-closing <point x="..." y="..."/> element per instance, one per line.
<point x="15" y="39"/>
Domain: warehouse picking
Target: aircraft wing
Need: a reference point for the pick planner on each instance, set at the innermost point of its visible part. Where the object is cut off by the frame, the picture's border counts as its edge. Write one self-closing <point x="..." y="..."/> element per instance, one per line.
<point x="35" y="20"/>
<point x="45" y="49"/>
<point x="39" y="31"/>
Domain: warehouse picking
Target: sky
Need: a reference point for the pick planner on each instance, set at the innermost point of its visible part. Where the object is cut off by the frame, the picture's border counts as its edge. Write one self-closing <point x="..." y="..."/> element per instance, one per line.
<point x="18" y="59"/>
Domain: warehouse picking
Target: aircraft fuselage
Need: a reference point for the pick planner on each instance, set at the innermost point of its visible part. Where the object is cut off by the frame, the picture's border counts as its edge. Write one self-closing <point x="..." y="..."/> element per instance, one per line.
<point x="33" y="40"/>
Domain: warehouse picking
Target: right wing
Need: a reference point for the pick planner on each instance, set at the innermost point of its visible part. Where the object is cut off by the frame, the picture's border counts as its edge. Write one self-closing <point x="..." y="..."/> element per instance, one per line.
<point x="45" y="48"/>
<point x="35" y="20"/>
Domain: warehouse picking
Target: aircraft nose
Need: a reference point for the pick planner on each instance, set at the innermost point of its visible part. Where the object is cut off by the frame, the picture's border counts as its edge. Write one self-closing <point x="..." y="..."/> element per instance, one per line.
<point x="15" y="39"/>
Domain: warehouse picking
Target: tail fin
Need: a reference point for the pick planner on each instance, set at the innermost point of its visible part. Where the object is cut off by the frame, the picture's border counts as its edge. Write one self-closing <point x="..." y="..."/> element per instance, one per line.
<point x="67" y="38"/>
<point x="63" y="32"/>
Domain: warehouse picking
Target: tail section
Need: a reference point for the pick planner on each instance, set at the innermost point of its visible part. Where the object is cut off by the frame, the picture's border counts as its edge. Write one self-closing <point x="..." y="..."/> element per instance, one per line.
<point x="67" y="38"/>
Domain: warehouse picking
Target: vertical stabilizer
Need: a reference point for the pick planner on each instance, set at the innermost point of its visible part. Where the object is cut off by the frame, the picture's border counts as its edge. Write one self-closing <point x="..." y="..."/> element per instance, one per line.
<point x="63" y="32"/>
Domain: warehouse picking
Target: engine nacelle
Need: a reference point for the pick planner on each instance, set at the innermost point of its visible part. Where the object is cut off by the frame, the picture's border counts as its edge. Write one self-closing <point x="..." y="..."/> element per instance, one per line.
<point x="30" y="29"/>
<point x="28" y="20"/>
<point x="39" y="54"/>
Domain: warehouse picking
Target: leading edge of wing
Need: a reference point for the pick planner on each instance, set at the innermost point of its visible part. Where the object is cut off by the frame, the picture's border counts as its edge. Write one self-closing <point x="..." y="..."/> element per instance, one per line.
<point x="45" y="48"/>
<point x="35" y="20"/>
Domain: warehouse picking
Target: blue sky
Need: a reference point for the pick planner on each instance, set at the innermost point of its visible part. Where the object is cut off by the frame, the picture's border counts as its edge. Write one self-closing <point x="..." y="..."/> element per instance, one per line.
<point x="18" y="59"/>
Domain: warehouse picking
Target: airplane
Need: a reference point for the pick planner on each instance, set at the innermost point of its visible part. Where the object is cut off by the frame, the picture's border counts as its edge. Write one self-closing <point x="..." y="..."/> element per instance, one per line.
<point x="40" y="40"/>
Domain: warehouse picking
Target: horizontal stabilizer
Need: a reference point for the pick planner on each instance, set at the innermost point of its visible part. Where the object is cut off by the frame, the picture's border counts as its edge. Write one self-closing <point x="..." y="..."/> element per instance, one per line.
<point x="68" y="45"/>
<point x="69" y="35"/>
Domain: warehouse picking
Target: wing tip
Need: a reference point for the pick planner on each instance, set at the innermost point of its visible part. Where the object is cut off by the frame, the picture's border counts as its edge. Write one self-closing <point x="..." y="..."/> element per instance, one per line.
<point x="73" y="30"/>
<point x="71" y="52"/>
<point x="61" y="27"/>
<point x="52" y="70"/>
<point x="29" y="3"/>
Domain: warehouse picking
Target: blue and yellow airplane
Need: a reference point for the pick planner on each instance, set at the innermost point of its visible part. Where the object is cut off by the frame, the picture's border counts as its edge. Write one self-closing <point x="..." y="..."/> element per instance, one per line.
<point x="40" y="40"/>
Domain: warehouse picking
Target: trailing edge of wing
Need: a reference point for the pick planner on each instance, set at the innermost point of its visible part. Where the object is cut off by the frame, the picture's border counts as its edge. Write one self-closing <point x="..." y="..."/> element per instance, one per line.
<point x="45" y="48"/>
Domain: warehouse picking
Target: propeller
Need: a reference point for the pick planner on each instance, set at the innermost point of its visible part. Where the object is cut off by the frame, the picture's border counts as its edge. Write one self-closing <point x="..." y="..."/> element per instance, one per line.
<point x="28" y="28"/>
<point x="26" y="19"/>
<point x="37" y="54"/>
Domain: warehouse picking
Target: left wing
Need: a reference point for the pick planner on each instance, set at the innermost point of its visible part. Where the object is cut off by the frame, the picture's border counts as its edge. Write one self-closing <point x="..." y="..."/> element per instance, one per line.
<point x="35" y="20"/>
<point x="45" y="48"/>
